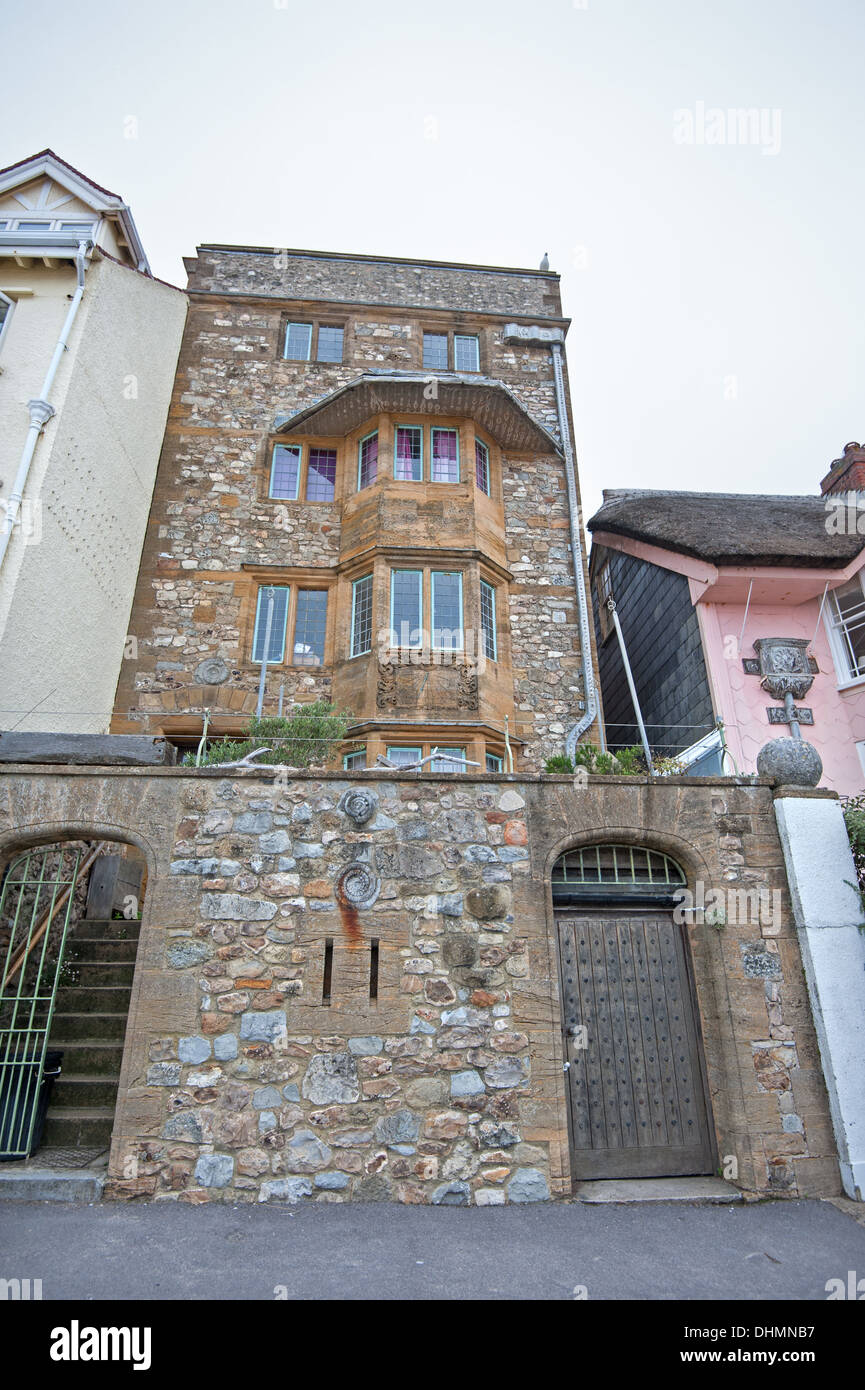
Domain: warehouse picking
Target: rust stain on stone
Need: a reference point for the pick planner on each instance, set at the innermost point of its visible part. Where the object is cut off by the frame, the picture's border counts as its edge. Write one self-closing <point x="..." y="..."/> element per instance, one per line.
<point x="350" y="921"/>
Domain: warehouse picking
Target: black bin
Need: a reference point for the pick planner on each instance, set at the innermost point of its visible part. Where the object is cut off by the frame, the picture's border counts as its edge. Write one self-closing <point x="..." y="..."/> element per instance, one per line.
<point x="17" y="1105"/>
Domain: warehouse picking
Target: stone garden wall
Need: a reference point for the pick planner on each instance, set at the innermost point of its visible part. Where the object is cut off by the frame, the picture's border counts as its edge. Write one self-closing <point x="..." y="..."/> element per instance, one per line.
<point x="347" y="984"/>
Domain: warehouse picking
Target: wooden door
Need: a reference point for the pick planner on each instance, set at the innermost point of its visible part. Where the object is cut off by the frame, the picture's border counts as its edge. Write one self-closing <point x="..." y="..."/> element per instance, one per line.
<point x="637" y="1094"/>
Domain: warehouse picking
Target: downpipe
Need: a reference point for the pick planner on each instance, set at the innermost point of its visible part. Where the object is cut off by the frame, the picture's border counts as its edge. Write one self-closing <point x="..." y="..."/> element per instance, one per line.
<point x="41" y="410"/>
<point x="590" y="693"/>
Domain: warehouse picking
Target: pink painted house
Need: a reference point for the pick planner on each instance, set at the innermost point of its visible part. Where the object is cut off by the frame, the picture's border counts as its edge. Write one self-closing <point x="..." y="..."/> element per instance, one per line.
<point x="700" y="581"/>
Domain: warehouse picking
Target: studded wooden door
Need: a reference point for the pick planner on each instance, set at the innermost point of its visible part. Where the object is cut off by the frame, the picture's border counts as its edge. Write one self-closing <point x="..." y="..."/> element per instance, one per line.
<point x="633" y="1064"/>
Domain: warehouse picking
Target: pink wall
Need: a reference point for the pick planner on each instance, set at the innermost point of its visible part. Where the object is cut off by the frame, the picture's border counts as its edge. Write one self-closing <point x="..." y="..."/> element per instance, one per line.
<point x="839" y="715"/>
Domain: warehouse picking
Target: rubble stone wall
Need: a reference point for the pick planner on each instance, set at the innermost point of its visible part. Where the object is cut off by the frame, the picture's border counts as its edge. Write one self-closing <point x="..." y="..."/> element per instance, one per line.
<point x="347" y="984"/>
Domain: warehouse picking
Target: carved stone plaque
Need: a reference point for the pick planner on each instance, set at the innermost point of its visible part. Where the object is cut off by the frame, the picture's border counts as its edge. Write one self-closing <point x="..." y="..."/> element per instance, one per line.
<point x="784" y="666"/>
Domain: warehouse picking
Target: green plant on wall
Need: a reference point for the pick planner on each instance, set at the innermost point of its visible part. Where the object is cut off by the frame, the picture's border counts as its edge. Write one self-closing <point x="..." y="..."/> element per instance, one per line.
<point x="307" y="736"/>
<point x="560" y="763"/>
<point x="854" y="819"/>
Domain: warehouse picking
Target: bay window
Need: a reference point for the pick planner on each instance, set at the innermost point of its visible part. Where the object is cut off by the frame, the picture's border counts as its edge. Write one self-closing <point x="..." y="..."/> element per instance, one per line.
<point x="482" y="466"/>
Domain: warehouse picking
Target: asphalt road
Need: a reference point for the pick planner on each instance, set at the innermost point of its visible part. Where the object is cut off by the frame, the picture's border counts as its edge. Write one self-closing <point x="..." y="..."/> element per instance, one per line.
<point x="778" y="1250"/>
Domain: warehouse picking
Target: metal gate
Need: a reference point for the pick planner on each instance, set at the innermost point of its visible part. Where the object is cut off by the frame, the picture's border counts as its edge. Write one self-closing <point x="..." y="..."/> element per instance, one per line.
<point x="638" y="1102"/>
<point x="35" y="908"/>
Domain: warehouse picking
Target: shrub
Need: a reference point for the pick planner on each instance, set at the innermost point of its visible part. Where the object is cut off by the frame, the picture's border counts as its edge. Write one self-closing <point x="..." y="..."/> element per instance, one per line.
<point x="854" y="818"/>
<point x="560" y="763"/>
<point x="306" y="737"/>
<point x="631" y="761"/>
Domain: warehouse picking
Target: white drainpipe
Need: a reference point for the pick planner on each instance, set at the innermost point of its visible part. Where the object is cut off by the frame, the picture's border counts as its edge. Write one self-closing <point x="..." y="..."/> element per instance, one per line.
<point x="40" y="409"/>
<point x="590" y="693"/>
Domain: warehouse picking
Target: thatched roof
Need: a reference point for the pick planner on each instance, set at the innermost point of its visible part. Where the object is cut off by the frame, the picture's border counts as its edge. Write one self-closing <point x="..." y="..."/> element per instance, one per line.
<point x="730" y="528"/>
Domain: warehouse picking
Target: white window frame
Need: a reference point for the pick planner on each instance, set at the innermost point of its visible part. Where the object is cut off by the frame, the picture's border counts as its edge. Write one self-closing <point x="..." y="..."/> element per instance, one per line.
<point x="83" y="226"/>
<point x="348" y="763"/>
<point x="467" y="338"/>
<point x="461" y="629"/>
<point x="361" y="487"/>
<point x="353" y="651"/>
<point x="496" y="758"/>
<point x="288" y="328"/>
<point x="291" y="449"/>
<point x="486" y="448"/>
<point x="261" y="618"/>
<point x="420" y="462"/>
<point x="404" y="748"/>
<point x="395" y="637"/>
<point x="491" y="589"/>
<point x="453" y="755"/>
<point x="836" y="642"/>
<point x="443" y="429"/>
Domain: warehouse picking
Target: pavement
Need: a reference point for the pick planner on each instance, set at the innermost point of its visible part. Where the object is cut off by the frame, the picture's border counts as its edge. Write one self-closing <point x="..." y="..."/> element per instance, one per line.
<point x="562" y="1250"/>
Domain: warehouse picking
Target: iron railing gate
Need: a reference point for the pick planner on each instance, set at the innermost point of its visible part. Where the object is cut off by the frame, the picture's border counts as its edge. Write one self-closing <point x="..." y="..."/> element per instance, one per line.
<point x="35" y="909"/>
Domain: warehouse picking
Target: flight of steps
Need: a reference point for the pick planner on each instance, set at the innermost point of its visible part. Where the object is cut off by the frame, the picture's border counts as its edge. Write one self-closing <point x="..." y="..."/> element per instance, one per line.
<point x="89" y="1027"/>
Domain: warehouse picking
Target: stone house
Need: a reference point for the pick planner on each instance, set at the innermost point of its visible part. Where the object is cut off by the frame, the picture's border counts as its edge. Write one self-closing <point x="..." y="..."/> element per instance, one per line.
<point x="387" y="445"/>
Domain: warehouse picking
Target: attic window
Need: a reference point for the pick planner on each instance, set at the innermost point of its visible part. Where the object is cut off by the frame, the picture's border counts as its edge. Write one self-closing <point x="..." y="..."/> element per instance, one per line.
<point x="30" y="227"/>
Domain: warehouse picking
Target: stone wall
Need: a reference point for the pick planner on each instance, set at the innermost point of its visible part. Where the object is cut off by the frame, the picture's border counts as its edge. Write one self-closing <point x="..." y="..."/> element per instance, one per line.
<point x="371" y="280"/>
<point x="271" y="1056"/>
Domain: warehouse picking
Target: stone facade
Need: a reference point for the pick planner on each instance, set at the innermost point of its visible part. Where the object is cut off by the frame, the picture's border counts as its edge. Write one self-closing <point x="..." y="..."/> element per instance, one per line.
<point x="217" y="536"/>
<point x="347" y="985"/>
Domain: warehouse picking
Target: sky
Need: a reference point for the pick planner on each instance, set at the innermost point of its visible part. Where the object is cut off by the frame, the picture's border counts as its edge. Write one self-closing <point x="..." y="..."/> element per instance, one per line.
<point x="713" y="268"/>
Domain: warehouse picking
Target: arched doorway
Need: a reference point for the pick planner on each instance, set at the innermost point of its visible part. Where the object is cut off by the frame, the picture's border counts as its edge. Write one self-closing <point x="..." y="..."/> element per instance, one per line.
<point x="635" y="1074"/>
<point x="69" y="925"/>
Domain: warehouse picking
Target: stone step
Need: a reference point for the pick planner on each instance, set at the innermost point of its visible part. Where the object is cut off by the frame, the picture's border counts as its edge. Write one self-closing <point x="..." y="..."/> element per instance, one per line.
<point x="101" y="948"/>
<point x="80" y="1027"/>
<point x="89" y="1056"/>
<point x="77" y="1092"/>
<point x="88" y="974"/>
<point x="87" y="1127"/>
<point x="97" y="999"/>
<point x="114" y="928"/>
<point x="36" y="1184"/>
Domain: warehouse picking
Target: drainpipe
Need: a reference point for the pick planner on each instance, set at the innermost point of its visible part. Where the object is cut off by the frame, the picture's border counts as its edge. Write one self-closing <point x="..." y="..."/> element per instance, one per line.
<point x="591" y="712"/>
<point x="40" y="409"/>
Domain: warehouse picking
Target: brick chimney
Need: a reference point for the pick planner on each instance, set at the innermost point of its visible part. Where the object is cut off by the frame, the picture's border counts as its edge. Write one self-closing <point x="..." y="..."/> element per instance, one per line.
<point x="847" y="473"/>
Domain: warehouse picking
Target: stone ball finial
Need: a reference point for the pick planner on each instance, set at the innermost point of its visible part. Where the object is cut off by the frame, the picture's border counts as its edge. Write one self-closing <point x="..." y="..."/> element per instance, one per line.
<point x="790" y="762"/>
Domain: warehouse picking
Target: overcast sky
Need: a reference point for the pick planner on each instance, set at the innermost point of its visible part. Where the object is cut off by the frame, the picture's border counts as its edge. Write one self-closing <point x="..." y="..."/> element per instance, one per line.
<point x="715" y="286"/>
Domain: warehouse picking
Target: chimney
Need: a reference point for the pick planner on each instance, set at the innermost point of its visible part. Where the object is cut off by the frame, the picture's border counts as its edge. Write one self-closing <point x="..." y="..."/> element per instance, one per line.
<point x="847" y="473"/>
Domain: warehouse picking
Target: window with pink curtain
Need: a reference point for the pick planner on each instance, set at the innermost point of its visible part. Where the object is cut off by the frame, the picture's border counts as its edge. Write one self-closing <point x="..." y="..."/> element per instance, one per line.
<point x="408" y="463"/>
<point x="445" y="465"/>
